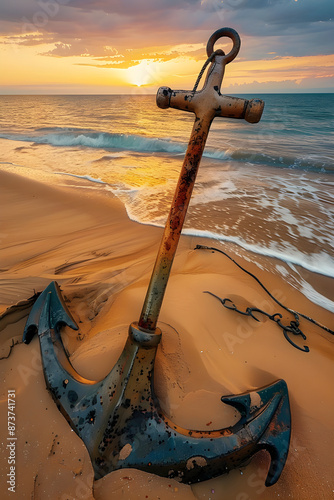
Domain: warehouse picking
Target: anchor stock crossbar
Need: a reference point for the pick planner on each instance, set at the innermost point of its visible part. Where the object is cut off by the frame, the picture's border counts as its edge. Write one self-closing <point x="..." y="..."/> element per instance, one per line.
<point x="119" y="418"/>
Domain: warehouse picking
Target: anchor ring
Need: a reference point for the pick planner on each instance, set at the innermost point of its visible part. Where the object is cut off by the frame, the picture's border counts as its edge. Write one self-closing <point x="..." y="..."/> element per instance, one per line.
<point x="230" y="33"/>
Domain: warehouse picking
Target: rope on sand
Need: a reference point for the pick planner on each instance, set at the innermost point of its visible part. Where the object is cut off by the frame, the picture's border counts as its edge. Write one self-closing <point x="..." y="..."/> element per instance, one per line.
<point x="293" y="327"/>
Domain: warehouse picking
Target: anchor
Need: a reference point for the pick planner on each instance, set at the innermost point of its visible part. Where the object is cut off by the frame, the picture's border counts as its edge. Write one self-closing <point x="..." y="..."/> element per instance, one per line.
<point x="119" y="418"/>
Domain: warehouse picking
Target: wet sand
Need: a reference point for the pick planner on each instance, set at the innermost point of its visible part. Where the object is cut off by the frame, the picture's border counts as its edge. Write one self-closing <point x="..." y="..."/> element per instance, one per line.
<point x="102" y="261"/>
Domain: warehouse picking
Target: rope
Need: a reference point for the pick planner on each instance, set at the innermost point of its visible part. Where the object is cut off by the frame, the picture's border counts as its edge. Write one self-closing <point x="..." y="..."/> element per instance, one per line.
<point x="292" y="311"/>
<point x="209" y="59"/>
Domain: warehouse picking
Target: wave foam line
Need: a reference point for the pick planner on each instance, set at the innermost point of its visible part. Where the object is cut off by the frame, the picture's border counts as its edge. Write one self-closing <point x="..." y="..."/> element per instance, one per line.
<point x="305" y="288"/>
<point x="315" y="297"/>
<point x="86" y="177"/>
<point x="306" y="261"/>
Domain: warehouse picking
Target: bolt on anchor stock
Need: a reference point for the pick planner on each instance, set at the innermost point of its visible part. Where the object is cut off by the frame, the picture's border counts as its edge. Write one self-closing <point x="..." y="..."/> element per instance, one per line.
<point x="119" y="418"/>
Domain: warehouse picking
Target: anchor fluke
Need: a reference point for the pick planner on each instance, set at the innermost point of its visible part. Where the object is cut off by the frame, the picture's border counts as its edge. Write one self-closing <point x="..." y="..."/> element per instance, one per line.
<point x="58" y="316"/>
<point x="276" y="437"/>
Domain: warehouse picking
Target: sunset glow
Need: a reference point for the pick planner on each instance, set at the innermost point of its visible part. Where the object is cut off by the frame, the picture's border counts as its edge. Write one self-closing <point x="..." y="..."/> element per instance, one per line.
<point x="143" y="74"/>
<point x="55" y="46"/>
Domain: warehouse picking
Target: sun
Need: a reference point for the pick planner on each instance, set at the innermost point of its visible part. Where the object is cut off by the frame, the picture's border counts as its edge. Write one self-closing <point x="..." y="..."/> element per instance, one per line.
<point x="141" y="74"/>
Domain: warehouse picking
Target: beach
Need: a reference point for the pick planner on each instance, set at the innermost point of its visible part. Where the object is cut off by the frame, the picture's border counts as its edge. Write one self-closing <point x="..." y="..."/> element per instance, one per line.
<point x="60" y="230"/>
<point x="166" y="255"/>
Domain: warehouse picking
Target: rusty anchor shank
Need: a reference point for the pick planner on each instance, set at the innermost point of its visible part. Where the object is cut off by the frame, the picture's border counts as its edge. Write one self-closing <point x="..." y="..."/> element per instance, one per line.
<point x="206" y="104"/>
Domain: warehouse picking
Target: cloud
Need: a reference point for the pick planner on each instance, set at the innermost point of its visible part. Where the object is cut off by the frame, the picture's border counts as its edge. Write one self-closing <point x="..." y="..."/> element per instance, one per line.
<point x="82" y="48"/>
<point x="278" y="17"/>
<point x="186" y="14"/>
<point x="134" y="57"/>
<point x="27" y="40"/>
<point x="101" y="32"/>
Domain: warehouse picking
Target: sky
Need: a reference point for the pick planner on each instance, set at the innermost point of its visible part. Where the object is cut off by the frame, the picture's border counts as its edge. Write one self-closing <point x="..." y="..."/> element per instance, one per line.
<point x="135" y="46"/>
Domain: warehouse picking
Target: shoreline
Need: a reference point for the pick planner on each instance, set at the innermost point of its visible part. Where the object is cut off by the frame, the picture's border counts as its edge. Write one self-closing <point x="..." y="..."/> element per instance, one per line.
<point x="304" y="264"/>
<point x="84" y="240"/>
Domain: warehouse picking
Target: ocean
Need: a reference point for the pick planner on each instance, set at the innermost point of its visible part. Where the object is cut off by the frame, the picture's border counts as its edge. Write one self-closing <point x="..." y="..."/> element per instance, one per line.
<point x="265" y="189"/>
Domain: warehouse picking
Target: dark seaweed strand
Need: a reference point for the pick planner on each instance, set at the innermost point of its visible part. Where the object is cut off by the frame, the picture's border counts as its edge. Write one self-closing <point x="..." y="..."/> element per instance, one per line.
<point x="203" y="247"/>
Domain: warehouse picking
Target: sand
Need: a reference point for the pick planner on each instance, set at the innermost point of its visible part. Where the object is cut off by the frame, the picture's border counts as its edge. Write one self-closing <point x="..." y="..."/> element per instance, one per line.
<point x="102" y="261"/>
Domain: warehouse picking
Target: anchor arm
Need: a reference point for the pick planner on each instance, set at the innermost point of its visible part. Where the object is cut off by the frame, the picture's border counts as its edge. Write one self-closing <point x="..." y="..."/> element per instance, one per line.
<point x="140" y="435"/>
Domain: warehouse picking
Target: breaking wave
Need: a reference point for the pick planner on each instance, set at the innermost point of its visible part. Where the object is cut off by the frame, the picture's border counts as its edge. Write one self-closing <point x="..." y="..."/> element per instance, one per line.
<point x="103" y="140"/>
<point x="76" y="137"/>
